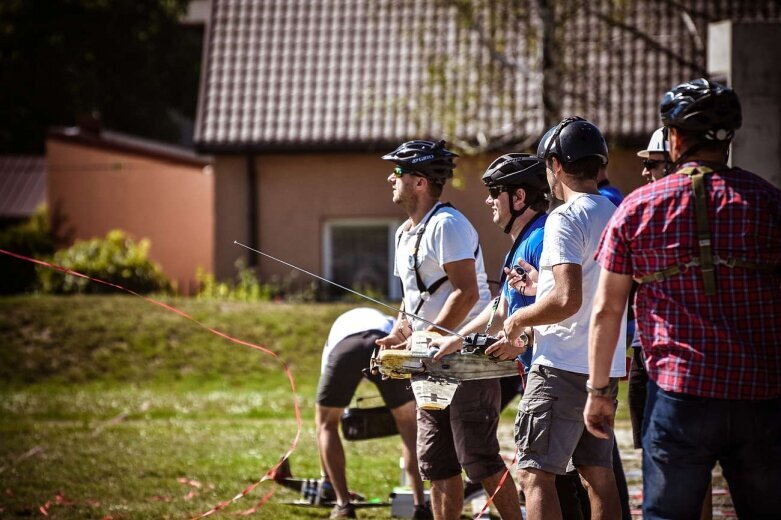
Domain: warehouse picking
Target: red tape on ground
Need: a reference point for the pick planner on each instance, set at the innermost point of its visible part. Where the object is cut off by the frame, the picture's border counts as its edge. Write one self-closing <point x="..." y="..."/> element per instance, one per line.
<point x="293" y="445"/>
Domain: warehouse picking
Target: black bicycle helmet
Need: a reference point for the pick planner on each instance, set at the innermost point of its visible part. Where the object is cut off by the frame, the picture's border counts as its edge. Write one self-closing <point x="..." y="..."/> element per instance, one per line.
<point x="702" y="107"/>
<point x="518" y="170"/>
<point x="430" y="159"/>
<point x="572" y="139"/>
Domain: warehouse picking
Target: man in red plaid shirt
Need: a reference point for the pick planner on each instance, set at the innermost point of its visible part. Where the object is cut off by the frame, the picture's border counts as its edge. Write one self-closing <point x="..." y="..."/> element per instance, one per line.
<point x="705" y="245"/>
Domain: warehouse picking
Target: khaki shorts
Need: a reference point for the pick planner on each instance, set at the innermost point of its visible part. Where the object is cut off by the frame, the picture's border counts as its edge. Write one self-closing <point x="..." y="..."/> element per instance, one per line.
<point x="549" y="428"/>
<point x="463" y="435"/>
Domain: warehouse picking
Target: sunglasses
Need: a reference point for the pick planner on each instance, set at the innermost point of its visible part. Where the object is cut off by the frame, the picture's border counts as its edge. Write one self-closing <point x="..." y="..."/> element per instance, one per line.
<point x="398" y="172"/>
<point x="495" y="191"/>
<point x="651" y="164"/>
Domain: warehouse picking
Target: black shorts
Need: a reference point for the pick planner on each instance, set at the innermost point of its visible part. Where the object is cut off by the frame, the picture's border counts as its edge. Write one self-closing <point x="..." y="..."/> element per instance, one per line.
<point x="343" y="373"/>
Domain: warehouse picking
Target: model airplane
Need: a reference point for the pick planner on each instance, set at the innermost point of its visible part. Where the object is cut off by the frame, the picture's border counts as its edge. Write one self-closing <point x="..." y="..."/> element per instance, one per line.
<point x="435" y="382"/>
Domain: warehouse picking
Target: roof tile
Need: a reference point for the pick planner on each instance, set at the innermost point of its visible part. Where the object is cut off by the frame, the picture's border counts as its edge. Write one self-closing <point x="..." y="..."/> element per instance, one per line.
<point x="307" y="74"/>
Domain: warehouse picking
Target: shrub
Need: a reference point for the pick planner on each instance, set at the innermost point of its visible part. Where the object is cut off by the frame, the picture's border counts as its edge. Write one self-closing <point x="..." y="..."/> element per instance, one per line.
<point x="247" y="287"/>
<point x="116" y="259"/>
<point x="31" y="238"/>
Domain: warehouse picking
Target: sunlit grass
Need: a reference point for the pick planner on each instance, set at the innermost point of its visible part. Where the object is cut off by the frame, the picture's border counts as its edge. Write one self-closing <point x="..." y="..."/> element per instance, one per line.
<point x="125" y="410"/>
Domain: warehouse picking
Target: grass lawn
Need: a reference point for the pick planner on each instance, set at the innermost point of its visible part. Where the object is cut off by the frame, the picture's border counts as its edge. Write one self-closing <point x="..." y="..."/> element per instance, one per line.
<point x="114" y="408"/>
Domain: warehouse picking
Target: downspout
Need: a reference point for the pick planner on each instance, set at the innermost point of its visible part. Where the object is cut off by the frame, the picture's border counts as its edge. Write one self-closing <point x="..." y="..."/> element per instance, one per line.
<point x="252" y="210"/>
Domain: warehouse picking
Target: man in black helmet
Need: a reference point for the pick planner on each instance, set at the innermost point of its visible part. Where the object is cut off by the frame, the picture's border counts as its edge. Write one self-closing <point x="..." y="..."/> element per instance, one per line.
<point x="549" y="430"/>
<point x="440" y="264"/>
<point x="705" y="245"/>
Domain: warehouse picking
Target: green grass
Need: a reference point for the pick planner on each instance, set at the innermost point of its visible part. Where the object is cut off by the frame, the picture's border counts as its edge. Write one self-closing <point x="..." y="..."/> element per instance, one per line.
<point x="109" y="402"/>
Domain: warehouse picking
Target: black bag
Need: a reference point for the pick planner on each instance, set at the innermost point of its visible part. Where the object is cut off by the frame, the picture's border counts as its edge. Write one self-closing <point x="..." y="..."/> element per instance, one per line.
<point x="367" y="423"/>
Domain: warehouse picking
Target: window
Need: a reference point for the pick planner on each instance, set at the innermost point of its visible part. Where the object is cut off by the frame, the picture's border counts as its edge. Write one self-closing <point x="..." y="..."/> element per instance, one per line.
<point x="358" y="253"/>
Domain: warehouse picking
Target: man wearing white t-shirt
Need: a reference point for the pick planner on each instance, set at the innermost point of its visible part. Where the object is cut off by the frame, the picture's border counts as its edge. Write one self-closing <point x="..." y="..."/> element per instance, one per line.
<point x="549" y="429"/>
<point x="440" y="264"/>
<point x="346" y="353"/>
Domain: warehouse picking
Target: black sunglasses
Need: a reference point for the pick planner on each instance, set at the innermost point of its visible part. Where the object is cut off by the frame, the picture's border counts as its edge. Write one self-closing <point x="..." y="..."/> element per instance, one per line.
<point x="495" y="191"/>
<point x="650" y="164"/>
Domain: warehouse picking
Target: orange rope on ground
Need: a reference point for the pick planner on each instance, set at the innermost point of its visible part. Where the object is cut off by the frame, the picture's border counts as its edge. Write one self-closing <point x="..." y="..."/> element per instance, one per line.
<point x="221" y="334"/>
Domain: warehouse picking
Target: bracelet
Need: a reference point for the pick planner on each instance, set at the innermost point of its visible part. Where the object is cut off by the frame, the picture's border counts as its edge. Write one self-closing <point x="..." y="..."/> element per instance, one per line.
<point x="598" y="392"/>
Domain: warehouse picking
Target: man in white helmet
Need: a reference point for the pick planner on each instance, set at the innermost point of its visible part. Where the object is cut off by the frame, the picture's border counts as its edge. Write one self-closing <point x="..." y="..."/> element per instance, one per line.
<point x="656" y="158"/>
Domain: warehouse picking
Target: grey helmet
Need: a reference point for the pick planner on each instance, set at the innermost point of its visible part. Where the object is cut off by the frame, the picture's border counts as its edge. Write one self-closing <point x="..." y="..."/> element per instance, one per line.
<point x="428" y="158"/>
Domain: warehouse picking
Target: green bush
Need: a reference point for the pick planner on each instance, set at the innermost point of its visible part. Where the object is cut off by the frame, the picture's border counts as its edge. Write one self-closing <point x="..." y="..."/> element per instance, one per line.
<point x="246" y="287"/>
<point x="31" y="238"/>
<point x="116" y="259"/>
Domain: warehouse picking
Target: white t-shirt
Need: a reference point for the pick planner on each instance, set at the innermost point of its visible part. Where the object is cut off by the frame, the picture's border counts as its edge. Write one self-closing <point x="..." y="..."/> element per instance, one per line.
<point x="572" y="235"/>
<point x="352" y="322"/>
<point x="448" y="237"/>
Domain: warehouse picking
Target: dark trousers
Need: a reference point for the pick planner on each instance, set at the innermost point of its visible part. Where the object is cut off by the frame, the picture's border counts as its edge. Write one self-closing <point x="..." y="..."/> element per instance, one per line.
<point x="684" y="438"/>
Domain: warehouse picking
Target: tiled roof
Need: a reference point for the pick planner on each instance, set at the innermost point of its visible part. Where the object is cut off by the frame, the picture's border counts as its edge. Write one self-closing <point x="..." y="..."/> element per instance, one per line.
<point x="363" y="74"/>
<point x="22" y="185"/>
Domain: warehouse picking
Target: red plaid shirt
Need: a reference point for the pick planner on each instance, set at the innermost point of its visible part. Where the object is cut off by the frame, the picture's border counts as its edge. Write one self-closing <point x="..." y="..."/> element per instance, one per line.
<point x="725" y="346"/>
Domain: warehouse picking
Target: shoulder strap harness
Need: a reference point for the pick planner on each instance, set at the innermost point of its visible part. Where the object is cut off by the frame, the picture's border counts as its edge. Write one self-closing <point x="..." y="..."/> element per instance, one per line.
<point x="426" y="292"/>
<point x="707" y="260"/>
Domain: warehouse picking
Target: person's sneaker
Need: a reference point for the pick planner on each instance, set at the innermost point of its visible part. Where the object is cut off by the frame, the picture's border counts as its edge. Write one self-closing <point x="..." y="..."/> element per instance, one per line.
<point x="472" y="490"/>
<point x="422" y="513"/>
<point x="345" y="511"/>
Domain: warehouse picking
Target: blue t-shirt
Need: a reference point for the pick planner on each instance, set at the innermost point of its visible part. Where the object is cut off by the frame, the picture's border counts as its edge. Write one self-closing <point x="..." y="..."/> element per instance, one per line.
<point x="611" y="192"/>
<point x="530" y="249"/>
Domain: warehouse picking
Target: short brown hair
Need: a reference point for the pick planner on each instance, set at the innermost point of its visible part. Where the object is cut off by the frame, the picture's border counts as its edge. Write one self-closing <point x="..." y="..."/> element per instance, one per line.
<point x="586" y="168"/>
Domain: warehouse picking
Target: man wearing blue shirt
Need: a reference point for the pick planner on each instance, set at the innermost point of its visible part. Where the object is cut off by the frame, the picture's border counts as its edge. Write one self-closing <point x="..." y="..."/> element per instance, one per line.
<point x="517" y="185"/>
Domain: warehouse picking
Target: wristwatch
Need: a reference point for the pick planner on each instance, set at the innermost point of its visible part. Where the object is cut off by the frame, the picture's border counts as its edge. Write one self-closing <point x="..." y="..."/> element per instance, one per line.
<point x="599" y="392"/>
<point x="525" y="339"/>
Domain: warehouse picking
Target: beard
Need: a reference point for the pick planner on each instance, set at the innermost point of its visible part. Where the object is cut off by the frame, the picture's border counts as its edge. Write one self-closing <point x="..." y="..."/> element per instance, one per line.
<point x="553" y="201"/>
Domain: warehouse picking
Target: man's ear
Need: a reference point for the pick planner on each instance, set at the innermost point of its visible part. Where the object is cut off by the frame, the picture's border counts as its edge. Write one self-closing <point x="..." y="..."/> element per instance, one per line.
<point x="519" y="200"/>
<point x="676" y="142"/>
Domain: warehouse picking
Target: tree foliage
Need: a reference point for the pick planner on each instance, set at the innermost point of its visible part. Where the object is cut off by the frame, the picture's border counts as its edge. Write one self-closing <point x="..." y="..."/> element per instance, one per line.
<point x="131" y="61"/>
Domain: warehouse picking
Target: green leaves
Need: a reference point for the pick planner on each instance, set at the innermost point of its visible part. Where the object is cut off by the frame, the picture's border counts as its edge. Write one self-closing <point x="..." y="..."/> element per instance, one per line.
<point x="116" y="259"/>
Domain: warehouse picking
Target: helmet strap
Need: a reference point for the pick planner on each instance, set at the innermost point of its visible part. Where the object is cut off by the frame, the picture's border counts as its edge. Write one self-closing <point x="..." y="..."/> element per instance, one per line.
<point x="514" y="214"/>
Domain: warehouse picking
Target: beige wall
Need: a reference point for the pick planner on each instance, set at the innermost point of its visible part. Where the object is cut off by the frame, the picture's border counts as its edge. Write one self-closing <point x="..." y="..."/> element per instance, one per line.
<point x="171" y="203"/>
<point x="297" y="194"/>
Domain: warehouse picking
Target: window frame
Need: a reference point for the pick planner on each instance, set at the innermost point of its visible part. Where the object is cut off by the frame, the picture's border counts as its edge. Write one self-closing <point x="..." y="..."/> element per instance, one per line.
<point x="394" y="290"/>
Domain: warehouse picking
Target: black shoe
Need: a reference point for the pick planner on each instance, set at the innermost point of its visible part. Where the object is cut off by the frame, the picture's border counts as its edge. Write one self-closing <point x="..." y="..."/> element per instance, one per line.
<point x="345" y="511"/>
<point x="472" y="490"/>
<point x="423" y="513"/>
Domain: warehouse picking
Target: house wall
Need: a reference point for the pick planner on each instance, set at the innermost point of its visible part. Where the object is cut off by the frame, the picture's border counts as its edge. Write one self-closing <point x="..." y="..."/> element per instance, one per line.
<point x="297" y="194"/>
<point x="96" y="190"/>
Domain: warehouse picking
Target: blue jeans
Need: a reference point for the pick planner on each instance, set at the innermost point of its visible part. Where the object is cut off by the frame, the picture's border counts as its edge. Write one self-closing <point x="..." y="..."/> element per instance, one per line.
<point x="685" y="437"/>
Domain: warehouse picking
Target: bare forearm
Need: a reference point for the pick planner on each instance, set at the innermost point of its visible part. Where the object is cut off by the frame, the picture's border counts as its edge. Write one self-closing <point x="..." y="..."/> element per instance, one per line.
<point x="605" y="328"/>
<point x="547" y="310"/>
<point x="603" y="337"/>
<point x="456" y="308"/>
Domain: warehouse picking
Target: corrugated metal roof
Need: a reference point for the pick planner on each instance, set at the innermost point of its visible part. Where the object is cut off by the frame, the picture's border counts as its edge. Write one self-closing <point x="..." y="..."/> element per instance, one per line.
<point x="22" y="185"/>
<point x="357" y="74"/>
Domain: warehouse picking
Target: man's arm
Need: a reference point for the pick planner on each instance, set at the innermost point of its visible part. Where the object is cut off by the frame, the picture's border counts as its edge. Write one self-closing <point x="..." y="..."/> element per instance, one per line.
<point x="562" y="302"/>
<point x="604" y="330"/>
<point x="450" y="344"/>
<point x="558" y="305"/>
<point x="462" y="276"/>
<point x="397" y="339"/>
